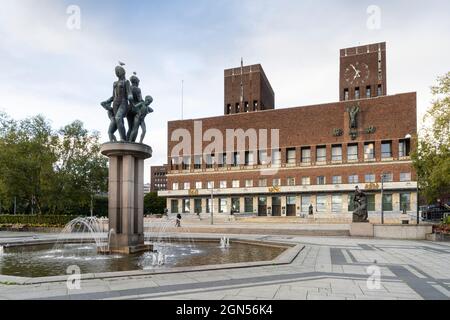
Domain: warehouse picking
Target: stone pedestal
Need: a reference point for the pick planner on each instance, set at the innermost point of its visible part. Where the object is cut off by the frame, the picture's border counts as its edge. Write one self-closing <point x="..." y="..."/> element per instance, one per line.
<point x="363" y="229"/>
<point x="126" y="195"/>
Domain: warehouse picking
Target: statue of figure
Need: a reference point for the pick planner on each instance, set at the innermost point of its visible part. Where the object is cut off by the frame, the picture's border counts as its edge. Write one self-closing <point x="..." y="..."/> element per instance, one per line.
<point x="137" y="98"/>
<point x="141" y="110"/>
<point x="112" y="125"/>
<point x="122" y="95"/>
<point x="360" y="201"/>
<point x="353" y="113"/>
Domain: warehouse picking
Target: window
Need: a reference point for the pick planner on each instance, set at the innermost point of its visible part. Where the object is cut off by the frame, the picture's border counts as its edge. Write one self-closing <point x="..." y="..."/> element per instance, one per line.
<point x="248" y="183"/>
<point x="336" y="153"/>
<point x="405" y="201"/>
<point x="321" y="154"/>
<point x="186" y="163"/>
<point x="276" y="157"/>
<point x="370" y="202"/>
<point x="235" y="183"/>
<point x="351" y="203"/>
<point x="228" y="108"/>
<point x="346" y="95"/>
<point x="336" y="204"/>
<point x="263" y="182"/>
<point x="290" y="156"/>
<point x="368" y="92"/>
<point x="405" y="176"/>
<point x="238" y="108"/>
<point x="357" y="95"/>
<point x="370" y="178"/>
<point x="236" y="159"/>
<point x="306" y="201"/>
<point x="306" y="155"/>
<point x="174" y="206"/>
<point x="223" y="184"/>
<point x="352" y="152"/>
<point x="388" y="177"/>
<point x="386" y="149"/>
<point x="404" y="148"/>
<point x="197" y="205"/>
<point x="210" y="184"/>
<point x="246" y="107"/>
<point x="306" y="181"/>
<point x="197" y="162"/>
<point x="291" y="181"/>
<point x="291" y="200"/>
<point x="387" y="202"/>
<point x="321" y="205"/>
<point x="276" y="182"/>
<point x="337" y="179"/>
<point x="209" y="161"/>
<point x="174" y="163"/>
<point x="223" y="160"/>
<point x="369" y="151"/>
<point x="379" y="90"/>
<point x="353" y="179"/>
<point x="321" y="180"/>
<point x="187" y="186"/>
<point x="249" y="158"/>
<point x="248" y="205"/>
<point x="223" y="205"/>
<point x="198" y="185"/>
<point x="255" y="105"/>
<point x="235" y="205"/>
<point x="262" y="157"/>
<point x="186" y="205"/>
<point x="175" y="186"/>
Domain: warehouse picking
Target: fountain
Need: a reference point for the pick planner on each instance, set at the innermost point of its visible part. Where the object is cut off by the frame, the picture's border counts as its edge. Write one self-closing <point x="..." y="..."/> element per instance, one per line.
<point x="224" y="242"/>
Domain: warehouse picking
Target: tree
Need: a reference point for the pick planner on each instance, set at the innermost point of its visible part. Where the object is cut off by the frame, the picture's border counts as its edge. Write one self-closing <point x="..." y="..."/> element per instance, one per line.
<point x="154" y="204"/>
<point x="432" y="157"/>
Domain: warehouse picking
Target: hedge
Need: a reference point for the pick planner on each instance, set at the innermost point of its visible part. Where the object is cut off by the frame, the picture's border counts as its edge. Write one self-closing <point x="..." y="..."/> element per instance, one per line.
<point x="36" y="220"/>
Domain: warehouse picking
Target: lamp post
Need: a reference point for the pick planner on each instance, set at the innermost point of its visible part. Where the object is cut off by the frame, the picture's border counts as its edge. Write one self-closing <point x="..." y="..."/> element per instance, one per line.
<point x="382" y="194"/>
<point x="212" y="206"/>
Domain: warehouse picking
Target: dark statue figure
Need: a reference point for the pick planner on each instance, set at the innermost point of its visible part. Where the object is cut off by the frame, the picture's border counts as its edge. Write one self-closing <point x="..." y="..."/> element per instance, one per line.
<point x="360" y="202"/>
<point x="127" y="102"/>
<point x="141" y="110"/>
<point x="353" y="113"/>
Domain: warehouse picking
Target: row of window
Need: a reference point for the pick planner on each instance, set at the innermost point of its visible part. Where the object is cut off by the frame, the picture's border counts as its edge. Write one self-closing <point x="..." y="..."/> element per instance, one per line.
<point x="291" y="181"/>
<point x="322" y="204"/>
<point x="246" y="107"/>
<point x="358" y="92"/>
<point x="262" y="158"/>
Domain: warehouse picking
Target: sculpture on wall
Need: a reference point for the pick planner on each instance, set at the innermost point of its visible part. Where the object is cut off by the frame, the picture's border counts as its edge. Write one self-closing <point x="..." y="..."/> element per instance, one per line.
<point x="126" y="102"/>
<point x="360" y="213"/>
<point x="353" y="113"/>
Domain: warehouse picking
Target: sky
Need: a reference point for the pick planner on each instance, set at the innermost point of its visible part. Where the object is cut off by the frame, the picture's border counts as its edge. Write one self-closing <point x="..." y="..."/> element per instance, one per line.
<point x="63" y="72"/>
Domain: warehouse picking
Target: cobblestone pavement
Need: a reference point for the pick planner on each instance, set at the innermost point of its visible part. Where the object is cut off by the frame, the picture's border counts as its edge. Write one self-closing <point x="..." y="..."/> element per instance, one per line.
<point x="328" y="268"/>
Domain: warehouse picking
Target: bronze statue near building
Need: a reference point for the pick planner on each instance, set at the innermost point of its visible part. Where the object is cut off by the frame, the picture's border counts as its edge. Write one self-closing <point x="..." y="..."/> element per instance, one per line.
<point x="360" y="213"/>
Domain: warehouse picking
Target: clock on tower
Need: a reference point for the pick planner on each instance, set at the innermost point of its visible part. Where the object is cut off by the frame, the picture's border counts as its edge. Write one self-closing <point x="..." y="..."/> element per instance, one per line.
<point x="363" y="72"/>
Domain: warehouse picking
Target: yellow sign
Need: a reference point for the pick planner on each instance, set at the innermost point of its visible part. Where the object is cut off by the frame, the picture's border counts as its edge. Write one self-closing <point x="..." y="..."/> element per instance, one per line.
<point x="372" y="186"/>
<point x="274" y="189"/>
<point x="193" y="192"/>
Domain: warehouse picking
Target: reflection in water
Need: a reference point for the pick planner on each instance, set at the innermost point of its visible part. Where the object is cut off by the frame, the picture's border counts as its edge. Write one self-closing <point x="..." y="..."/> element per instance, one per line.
<point x="44" y="260"/>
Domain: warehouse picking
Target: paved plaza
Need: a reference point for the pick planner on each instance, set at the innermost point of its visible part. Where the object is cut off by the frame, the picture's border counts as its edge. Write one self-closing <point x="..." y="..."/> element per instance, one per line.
<point x="327" y="268"/>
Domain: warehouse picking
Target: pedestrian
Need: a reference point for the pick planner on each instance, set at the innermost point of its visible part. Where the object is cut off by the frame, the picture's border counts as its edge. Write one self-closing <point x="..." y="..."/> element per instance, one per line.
<point x="178" y="221"/>
<point x="311" y="210"/>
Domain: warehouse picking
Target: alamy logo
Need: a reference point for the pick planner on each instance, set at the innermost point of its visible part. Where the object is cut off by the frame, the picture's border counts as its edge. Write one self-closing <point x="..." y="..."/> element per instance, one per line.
<point x="74" y="19"/>
<point x="74" y="279"/>
<point x="236" y="147"/>
<point x="374" y="280"/>
<point x="374" y="19"/>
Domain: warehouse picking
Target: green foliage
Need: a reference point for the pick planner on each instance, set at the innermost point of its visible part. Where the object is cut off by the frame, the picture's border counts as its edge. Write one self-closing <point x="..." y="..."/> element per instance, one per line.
<point x="36" y="220"/>
<point x="432" y="157"/>
<point x="49" y="171"/>
<point x="154" y="204"/>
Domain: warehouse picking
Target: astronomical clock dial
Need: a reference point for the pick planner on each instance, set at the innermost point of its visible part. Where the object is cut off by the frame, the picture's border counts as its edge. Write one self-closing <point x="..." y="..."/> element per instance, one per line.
<point x="357" y="73"/>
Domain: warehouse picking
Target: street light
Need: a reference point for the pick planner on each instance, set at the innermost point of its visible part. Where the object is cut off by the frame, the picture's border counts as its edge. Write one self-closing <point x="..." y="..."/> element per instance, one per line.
<point x="382" y="200"/>
<point x="408" y="137"/>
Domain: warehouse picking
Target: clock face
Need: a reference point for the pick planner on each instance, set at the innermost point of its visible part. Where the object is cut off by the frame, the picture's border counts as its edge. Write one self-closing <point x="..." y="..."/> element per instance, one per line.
<point x="357" y="73"/>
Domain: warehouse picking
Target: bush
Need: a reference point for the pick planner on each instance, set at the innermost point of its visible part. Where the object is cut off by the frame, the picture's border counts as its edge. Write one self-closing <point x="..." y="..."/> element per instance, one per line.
<point x="36" y="220"/>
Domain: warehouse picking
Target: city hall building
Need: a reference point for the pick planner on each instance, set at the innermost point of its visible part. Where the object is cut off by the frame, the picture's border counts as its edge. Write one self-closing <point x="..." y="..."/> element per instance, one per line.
<point x="322" y="151"/>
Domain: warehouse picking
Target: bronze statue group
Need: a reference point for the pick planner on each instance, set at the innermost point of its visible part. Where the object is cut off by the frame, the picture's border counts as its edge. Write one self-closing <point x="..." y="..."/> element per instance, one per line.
<point x="127" y="102"/>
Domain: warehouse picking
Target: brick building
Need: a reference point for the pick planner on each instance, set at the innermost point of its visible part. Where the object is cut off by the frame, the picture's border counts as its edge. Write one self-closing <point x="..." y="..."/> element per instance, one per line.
<point x="322" y="151"/>
<point x="158" y="179"/>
